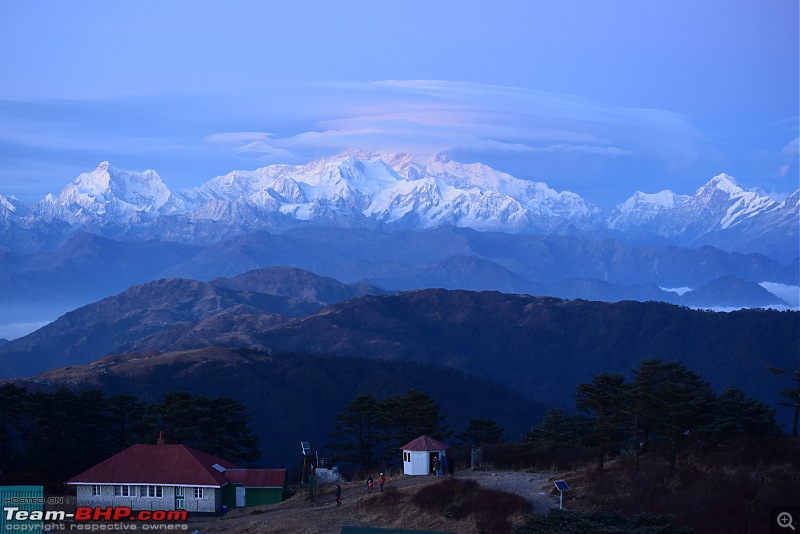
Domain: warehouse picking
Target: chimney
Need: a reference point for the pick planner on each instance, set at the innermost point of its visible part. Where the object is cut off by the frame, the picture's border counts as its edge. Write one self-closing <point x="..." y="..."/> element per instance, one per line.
<point x="161" y="440"/>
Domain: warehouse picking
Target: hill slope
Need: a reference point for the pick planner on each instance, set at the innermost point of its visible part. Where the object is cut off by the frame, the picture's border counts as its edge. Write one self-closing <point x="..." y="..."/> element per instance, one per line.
<point x="295" y="397"/>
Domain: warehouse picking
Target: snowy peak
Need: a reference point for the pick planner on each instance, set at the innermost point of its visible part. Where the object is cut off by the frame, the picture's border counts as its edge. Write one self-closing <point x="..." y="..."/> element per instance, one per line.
<point x="399" y="189"/>
<point x="11" y="205"/>
<point x="729" y="203"/>
<point x="108" y="193"/>
<point x="366" y="189"/>
<point x="642" y="208"/>
<point x="718" y="205"/>
<point x="721" y="182"/>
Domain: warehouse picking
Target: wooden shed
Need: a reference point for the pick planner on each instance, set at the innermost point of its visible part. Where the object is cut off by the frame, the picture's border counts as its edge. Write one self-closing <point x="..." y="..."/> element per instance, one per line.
<point x="418" y="455"/>
<point x="257" y="487"/>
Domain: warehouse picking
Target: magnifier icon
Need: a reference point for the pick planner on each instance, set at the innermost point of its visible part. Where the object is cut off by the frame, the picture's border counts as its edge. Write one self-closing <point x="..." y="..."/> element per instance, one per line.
<point x="785" y="520"/>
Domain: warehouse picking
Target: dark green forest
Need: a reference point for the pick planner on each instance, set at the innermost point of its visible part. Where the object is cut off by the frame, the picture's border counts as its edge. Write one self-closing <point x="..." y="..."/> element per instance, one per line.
<point x="50" y="437"/>
<point x="294" y="397"/>
<point x="652" y="451"/>
<point x="659" y="452"/>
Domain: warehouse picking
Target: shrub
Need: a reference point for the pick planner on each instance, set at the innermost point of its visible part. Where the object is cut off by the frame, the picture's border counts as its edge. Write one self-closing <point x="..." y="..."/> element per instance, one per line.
<point x="442" y="494"/>
<point x="570" y="522"/>
<point x="456" y="498"/>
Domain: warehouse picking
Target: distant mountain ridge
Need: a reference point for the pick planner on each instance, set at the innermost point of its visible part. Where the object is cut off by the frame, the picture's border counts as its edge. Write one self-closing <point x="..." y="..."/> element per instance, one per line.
<point x="393" y="192"/>
<point x="89" y="267"/>
<point x="179" y="314"/>
<point x="541" y="347"/>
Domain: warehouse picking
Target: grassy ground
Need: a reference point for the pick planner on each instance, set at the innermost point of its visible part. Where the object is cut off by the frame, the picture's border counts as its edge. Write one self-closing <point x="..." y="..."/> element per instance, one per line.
<point x="396" y="507"/>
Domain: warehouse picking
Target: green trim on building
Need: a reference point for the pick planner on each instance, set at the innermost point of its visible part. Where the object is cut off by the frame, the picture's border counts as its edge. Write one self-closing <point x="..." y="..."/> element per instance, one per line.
<point x="263" y="496"/>
<point x="229" y="496"/>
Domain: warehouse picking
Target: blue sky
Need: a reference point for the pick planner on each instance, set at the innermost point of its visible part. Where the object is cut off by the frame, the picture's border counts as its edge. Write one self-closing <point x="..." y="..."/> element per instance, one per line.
<point x="599" y="98"/>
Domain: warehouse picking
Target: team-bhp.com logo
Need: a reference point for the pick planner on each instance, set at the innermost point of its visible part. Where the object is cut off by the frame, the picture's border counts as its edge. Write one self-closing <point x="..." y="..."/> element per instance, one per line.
<point x="84" y="518"/>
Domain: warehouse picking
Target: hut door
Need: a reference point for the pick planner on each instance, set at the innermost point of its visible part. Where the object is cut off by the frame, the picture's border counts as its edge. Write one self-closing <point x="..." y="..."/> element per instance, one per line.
<point x="179" y="498"/>
<point x="431" y="456"/>
<point x="239" y="496"/>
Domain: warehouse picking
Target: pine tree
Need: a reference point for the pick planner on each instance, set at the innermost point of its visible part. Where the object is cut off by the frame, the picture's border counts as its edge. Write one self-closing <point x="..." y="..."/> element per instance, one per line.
<point x="791" y="394"/>
<point x="556" y="427"/>
<point x="414" y="414"/>
<point x="218" y="426"/>
<point x="677" y="406"/>
<point x="738" y="414"/>
<point x="356" y="431"/>
<point x="14" y="402"/>
<point x="603" y="401"/>
<point x="483" y="431"/>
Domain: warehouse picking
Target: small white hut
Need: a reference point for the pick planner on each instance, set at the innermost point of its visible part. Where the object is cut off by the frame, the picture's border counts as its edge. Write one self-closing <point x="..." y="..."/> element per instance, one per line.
<point x="418" y="455"/>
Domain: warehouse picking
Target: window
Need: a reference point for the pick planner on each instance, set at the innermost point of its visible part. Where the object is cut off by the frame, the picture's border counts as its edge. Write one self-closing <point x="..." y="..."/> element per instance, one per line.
<point x="95" y="490"/>
<point x="198" y="493"/>
<point x="152" y="491"/>
<point x="125" y="491"/>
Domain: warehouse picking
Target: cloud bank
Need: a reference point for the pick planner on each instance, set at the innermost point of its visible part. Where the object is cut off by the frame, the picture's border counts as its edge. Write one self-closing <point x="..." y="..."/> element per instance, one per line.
<point x="601" y="151"/>
<point x="433" y="116"/>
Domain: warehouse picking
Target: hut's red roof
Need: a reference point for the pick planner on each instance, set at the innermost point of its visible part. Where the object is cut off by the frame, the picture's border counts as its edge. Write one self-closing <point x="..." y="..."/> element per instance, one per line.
<point x="257" y="478"/>
<point x="424" y="443"/>
<point x="158" y="464"/>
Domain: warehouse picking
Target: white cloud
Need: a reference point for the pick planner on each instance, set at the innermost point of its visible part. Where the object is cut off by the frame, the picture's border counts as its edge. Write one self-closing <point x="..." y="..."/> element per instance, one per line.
<point x="792" y="148"/>
<point x="430" y="116"/>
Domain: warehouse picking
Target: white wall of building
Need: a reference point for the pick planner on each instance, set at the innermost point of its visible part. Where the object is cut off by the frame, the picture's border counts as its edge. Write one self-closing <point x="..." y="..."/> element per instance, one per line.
<point x="210" y="502"/>
<point x="418" y="462"/>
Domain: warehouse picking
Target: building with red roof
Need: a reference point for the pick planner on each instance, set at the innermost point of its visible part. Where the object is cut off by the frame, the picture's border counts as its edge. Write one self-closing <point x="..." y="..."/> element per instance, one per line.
<point x="176" y="477"/>
<point x="419" y="455"/>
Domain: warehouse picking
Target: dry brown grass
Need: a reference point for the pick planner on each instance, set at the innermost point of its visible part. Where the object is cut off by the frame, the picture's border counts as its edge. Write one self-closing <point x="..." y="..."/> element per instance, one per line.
<point x="394" y="508"/>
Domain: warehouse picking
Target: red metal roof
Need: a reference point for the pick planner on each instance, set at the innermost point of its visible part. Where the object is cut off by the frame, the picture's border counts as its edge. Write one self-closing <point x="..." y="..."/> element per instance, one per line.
<point x="257" y="478"/>
<point x="424" y="443"/>
<point x="157" y="464"/>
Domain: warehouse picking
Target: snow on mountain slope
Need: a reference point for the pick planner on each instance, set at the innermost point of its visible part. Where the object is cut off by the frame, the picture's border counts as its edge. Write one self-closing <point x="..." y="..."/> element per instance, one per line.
<point x="359" y="189"/>
<point x="722" y="196"/>
<point x="641" y="208"/>
<point x="719" y="204"/>
<point x="110" y="196"/>
<point x="398" y="189"/>
<point x="11" y="207"/>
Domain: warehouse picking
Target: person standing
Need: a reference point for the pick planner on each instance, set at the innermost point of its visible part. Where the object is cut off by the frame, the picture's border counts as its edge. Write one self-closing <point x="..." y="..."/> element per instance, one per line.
<point x="338" y="495"/>
<point x="444" y="465"/>
<point x="369" y="484"/>
<point x="382" y="481"/>
<point x="436" y="465"/>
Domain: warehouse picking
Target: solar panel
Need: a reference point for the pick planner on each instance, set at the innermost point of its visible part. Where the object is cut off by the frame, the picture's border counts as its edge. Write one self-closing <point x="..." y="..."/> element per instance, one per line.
<point x="306" y="448"/>
<point x="218" y="468"/>
<point x="561" y="485"/>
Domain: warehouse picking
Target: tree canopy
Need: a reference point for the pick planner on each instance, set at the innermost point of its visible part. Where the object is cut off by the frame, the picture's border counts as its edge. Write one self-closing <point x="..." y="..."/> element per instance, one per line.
<point x="369" y="431"/>
<point x="59" y="434"/>
<point x="664" y="409"/>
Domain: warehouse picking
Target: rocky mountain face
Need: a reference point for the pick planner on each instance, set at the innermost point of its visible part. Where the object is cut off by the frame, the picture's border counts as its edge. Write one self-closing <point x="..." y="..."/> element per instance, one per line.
<point x="392" y="192"/>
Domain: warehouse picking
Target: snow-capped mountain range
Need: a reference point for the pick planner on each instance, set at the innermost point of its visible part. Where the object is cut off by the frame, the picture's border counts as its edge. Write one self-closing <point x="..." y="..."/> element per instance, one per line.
<point x="360" y="189"/>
